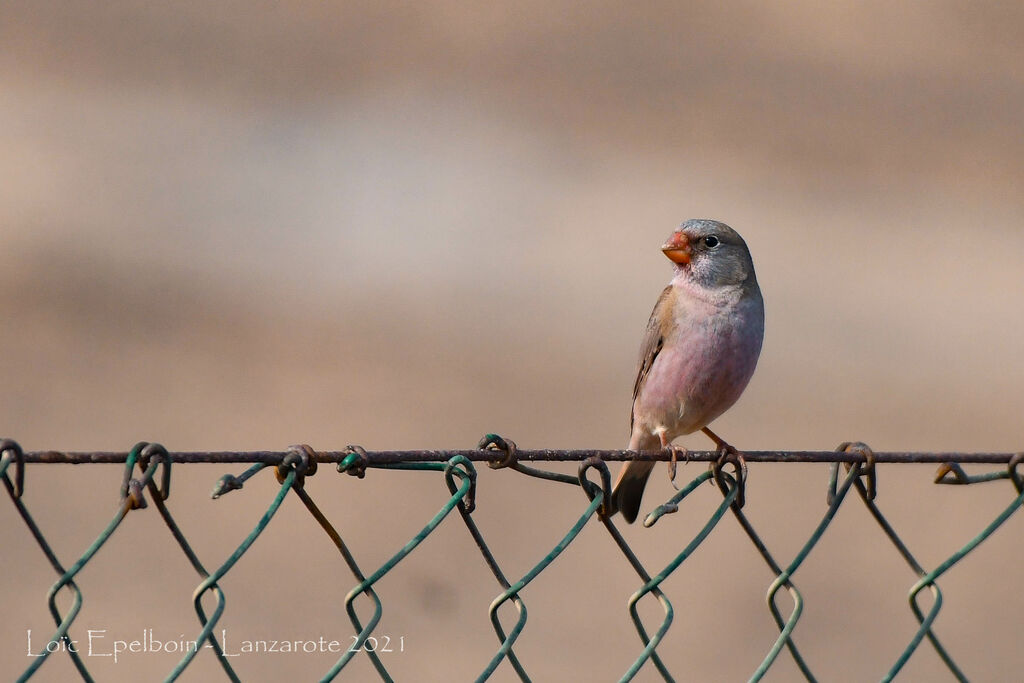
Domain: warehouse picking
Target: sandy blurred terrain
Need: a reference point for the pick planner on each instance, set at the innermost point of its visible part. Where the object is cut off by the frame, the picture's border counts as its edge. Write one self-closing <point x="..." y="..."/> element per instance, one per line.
<point x="404" y="226"/>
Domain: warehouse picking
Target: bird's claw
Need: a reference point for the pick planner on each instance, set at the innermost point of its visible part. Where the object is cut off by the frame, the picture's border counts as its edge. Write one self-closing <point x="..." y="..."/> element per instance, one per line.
<point x="729" y="455"/>
<point x="676" y="451"/>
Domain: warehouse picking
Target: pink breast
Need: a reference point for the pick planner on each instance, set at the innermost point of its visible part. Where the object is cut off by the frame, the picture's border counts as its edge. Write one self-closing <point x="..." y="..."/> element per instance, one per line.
<point x="702" y="371"/>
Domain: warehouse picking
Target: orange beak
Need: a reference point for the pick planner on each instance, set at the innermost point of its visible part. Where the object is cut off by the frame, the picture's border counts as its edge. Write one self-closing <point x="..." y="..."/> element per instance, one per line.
<point x="677" y="248"/>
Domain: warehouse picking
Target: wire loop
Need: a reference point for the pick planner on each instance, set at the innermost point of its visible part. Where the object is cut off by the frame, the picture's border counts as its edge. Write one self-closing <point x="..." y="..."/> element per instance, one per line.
<point x="9" y="448"/>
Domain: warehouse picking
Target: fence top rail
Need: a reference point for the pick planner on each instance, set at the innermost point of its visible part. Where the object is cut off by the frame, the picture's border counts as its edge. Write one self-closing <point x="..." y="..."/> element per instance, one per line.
<point x="538" y="455"/>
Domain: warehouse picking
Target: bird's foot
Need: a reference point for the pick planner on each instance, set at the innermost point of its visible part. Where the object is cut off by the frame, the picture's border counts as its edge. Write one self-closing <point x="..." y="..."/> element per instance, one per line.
<point x="676" y="451"/>
<point x="728" y="455"/>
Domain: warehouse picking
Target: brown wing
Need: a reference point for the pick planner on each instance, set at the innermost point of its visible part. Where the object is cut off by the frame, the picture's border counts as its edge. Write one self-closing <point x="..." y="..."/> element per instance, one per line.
<point x="650" y="346"/>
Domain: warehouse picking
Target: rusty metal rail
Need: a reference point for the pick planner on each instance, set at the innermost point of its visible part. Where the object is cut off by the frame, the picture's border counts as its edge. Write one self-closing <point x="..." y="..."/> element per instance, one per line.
<point x="536" y="455"/>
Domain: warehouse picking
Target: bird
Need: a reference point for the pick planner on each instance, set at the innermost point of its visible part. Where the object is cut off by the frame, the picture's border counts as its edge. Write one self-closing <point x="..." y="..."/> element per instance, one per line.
<point x="699" y="350"/>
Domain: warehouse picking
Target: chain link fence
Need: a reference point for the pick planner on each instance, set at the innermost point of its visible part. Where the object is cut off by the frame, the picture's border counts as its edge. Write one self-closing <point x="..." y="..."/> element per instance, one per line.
<point x="853" y="468"/>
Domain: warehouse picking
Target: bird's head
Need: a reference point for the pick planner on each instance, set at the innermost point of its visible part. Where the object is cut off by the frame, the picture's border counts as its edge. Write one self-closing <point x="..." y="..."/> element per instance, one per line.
<point x="710" y="254"/>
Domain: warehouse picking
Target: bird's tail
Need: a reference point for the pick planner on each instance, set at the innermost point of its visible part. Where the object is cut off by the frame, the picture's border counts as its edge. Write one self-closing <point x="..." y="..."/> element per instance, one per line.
<point x="629" y="487"/>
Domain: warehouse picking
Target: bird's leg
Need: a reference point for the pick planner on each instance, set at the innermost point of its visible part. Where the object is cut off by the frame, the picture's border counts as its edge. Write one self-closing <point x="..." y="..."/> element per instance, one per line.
<point x="675" y="450"/>
<point x="727" y="454"/>
<point x="720" y="443"/>
<point x="723" y="448"/>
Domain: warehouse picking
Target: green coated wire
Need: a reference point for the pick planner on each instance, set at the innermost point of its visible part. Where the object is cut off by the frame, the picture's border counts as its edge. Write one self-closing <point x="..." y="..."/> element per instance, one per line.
<point x="466" y="513"/>
<point x="672" y="504"/>
<point x="510" y="639"/>
<point x="929" y="579"/>
<point x="391" y="563"/>
<point x="350" y="561"/>
<point x="783" y="578"/>
<point x="592" y="491"/>
<point x="64" y="622"/>
<point x="159" y="496"/>
<point x="41" y="540"/>
<point x="914" y="565"/>
<point x="211" y="581"/>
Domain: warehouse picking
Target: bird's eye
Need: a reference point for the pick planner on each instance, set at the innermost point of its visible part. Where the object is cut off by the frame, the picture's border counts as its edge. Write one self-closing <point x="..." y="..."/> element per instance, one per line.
<point x="710" y="241"/>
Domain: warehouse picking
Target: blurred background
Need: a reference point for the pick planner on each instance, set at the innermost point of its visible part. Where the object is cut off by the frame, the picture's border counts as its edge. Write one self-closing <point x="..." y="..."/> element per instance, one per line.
<point x="246" y="225"/>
